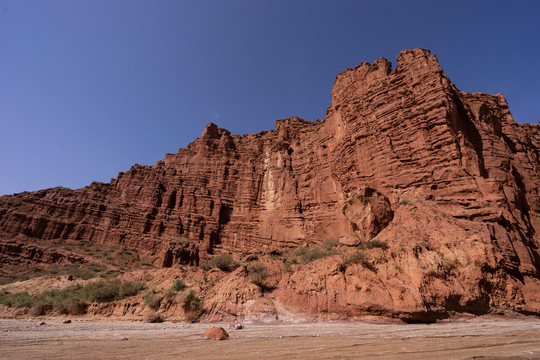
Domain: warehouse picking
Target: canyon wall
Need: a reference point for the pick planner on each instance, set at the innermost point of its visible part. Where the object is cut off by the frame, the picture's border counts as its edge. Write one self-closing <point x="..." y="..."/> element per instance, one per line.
<point x="446" y="178"/>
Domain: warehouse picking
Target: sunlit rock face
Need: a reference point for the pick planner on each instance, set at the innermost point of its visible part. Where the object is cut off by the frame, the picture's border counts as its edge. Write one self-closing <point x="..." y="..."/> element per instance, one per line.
<point x="446" y="178"/>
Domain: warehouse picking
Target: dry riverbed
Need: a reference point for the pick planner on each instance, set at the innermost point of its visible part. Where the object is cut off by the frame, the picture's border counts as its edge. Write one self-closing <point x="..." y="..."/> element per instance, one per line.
<point x="473" y="339"/>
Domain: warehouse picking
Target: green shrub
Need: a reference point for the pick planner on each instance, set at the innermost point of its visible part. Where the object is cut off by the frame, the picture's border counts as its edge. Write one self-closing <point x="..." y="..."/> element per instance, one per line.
<point x="74" y="299"/>
<point x="301" y="251"/>
<point x="170" y="294"/>
<point x="21" y="299"/>
<point x="307" y="255"/>
<point x="84" y="273"/>
<point x="152" y="300"/>
<point x="329" y="244"/>
<point x="288" y="264"/>
<point x="258" y="273"/>
<point x="179" y="285"/>
<point x="315" y="254"/>
<point x="189" y="300"/>
<point x="130" y="288"/>
<point x="126" y="256"/>
<point x="371" y="244"/>
<point x="102" y="291"/>
<point x="357" y="257"/>
<point x="223" y="262"/>
<point x="193" y="303"/>
<point x="183" y="240"/>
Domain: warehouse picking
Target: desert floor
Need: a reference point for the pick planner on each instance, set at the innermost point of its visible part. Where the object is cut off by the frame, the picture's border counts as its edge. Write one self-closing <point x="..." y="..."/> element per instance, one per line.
<point x="473" y="339"/>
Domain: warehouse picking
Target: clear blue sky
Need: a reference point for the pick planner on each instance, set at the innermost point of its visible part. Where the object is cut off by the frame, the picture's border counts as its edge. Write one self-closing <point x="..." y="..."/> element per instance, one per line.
<point x="90" y="87"/>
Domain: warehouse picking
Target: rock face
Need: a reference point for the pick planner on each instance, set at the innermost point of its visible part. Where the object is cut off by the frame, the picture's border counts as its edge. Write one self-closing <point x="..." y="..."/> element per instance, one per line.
<point x="368" y="211"/>
<point x="446" y="178"/>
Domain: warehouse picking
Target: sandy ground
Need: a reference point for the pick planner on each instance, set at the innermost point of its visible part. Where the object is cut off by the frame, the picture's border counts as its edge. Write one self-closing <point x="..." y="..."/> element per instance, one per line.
<point x="475" y="339"/>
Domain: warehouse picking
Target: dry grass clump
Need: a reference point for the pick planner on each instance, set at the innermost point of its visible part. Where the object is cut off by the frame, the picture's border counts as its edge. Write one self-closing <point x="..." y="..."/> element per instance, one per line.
<point x="223" y="262"/>
<point x="151" y="316"/>
<point x="152" y="299"/>
<point x="178" y="285"/>
<point x="258" y="273"/>
<point x="357" y="257"/>
<point x="327" y="248"/>
<point x="372" y="244"/>
<point x="189" y="300"/>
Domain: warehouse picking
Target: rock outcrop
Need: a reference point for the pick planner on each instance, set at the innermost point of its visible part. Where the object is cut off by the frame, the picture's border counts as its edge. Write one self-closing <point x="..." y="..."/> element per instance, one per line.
<point x="446" y="178"/>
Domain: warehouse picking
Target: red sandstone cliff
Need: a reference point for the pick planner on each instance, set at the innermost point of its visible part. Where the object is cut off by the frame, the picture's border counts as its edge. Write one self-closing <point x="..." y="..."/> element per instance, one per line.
<point x="447" y="179"/>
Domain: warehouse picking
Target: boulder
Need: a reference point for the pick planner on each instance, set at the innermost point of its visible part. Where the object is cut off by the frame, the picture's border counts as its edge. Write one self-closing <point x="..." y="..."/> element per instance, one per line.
<point x="216" y="333"/>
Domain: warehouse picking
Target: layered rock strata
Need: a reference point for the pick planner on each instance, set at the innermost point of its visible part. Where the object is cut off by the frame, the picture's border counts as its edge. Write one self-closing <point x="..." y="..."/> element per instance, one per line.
<point x="402" y="156"/>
